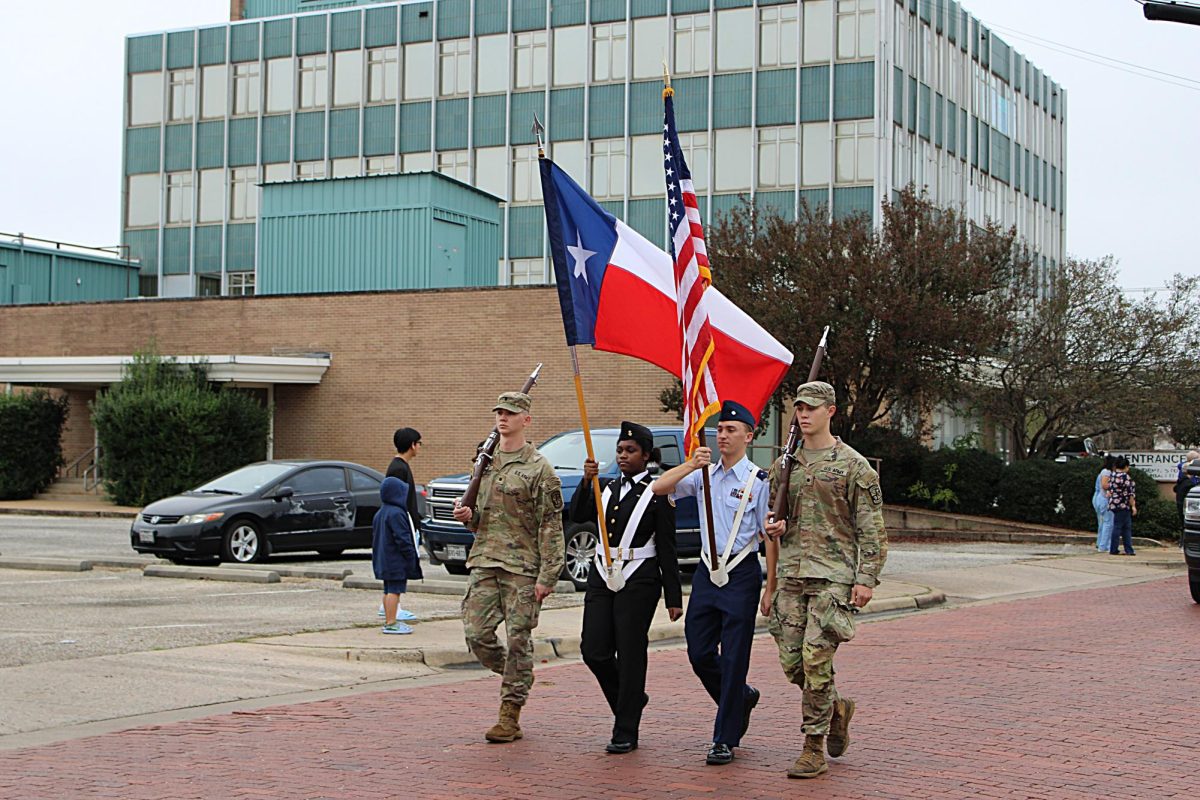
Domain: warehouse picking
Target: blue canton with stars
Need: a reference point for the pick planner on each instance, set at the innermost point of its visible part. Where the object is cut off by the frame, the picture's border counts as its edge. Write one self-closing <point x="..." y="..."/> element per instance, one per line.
<point x="676" y="169"/>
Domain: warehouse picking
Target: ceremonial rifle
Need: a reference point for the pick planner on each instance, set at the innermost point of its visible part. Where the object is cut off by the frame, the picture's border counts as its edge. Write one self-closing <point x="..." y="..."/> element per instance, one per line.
<point x="779" y="509"/>
<point x="488" y="450"/>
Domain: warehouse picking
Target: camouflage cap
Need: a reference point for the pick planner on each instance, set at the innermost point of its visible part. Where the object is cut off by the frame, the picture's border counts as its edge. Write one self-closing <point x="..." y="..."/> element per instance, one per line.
<point x="516" y="402"/>
<point x="815" y="393"/>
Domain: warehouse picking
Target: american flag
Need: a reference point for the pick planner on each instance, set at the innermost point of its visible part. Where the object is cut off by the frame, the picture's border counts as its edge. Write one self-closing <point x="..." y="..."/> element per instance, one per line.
<point x="692" y="277"/>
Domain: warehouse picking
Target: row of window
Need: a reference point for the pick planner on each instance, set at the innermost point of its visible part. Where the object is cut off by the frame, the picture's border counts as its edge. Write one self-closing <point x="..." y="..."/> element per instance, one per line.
<point x="487" y="62"/>
<point x="738" y="158"/>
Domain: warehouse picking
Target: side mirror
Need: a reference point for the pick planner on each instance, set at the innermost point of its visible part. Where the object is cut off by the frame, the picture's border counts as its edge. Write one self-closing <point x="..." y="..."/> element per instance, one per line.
<point x="283" y="493"/>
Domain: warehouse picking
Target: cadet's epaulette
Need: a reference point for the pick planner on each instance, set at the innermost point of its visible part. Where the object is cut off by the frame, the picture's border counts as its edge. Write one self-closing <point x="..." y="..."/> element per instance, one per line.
<point x="762" y="474"/>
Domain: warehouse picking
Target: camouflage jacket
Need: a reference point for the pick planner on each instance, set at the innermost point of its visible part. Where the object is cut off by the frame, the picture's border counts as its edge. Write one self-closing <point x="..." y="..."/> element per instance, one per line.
<point x="518" y="520"/>
<point x="835" y="519"/>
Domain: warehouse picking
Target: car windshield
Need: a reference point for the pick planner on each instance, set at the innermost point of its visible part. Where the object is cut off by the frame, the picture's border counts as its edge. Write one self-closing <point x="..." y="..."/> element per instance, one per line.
<point x="568" y="450"/>
<point x="245" y="480"/>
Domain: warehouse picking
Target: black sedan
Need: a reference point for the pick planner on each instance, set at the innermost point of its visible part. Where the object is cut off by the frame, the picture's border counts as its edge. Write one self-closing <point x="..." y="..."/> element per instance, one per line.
<point x="264" y="508"/>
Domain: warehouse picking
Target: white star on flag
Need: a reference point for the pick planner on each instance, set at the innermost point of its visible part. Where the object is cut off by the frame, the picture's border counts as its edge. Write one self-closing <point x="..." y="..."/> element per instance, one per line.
<point x="581" y="255"/>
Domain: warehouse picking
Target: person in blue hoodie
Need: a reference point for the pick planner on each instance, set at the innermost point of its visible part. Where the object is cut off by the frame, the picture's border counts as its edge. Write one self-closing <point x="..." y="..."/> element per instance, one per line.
<point x="394" y="550"/>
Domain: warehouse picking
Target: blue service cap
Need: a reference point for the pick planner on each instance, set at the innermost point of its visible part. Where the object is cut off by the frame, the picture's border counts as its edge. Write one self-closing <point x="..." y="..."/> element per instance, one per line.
<point x="733" y="411"/>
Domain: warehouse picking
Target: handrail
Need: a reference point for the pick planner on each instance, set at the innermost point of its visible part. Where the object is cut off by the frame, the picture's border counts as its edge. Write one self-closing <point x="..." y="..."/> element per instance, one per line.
<point x="91" y="453"/>
<point x="94" y="469"/>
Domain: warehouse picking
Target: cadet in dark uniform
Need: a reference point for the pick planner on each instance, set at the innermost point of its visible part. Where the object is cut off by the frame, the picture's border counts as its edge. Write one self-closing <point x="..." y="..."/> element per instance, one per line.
<point x="616" y="624"/>
<point x="726" y="589"/>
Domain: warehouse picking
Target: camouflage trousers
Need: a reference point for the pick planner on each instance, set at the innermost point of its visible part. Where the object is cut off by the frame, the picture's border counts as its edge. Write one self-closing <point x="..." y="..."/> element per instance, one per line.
<point x="809" y="619"/>
<point x="495" y="595"/>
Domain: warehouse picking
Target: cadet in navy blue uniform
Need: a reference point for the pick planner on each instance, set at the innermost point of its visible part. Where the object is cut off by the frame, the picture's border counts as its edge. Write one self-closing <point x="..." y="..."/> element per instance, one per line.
<point x="616" y="624"/>
<point x="726" y="588"/>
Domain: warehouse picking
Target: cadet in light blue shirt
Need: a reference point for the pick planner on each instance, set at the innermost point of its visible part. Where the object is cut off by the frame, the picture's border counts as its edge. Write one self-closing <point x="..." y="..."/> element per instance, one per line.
<point x="720" y="618"/>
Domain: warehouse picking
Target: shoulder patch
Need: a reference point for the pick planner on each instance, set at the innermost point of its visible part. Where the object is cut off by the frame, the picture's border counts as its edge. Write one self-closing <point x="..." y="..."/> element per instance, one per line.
<point x="876" y="494"/>
<point x="556" y="499"/>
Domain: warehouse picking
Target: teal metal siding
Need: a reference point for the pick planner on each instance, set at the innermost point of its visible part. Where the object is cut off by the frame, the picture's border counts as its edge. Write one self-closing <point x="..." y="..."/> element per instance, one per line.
<point x="414" y="126"/>
<point x="608" y="10"/>
<point x="452" y="124"/>
<point x="814" y="94"/>
<point x="568" y="12"/>
<point x="854" y="90"/>
<point x="181" y="50"/>
<point x="1001" y="156"/>
<point x="144" y="53"/>
<point x="343" y="133"/>
<point x="722" y="204"/>
<point x="177" y="246"/>
<point x="243" y="42"/>
<point x="951" y="127"/>
<point x="691" y="104"/>
<point x="277" y="138"/>
<point x="207" y="248"/>
<point x="524" y="106"/>
<point x="525" y="231"/>
<point x="210" y="144"/>
<point x="212" y="45"/>
<point x="178" y="150"/>
<point x="924" y="112"/>
<point x="243" y="142"/>
<point x="32" y="274"/>
<point x="141" y="150"/>
<point x="566" y="115"/>
<point x="454" y="19"/>
<point x="311" y="34"/>
<point x="647" y="8"/>
<point x="911" y="117"/>
<point x="606" y="111"/>
<point x="143" y="248"/>
<point x="379" y="130"/>
<point x="489" y="120"/>
<point x="781" y="203"/>
<point x="732" y="3"/>
<point x="732" y="97"/>
<point x="852" y="200"/>
<point x="345" y="30"/>
<point x="380" y="27"/>
<point x="614" y="207"/>
<point x="648" y="217"/>
<point x="688" y="6"/>
<point x="413" y="26"/>
<point x="1001" y="58"/>
<point x="239" y="247"/>
<point x="310" y="136"/>
<point x="776" y="97"/>
<point x="277" y="38"/>
<point x="528" y="15"/>
<point x="897" y="95"/>
<point x="645" y="107"/>
<point x="817" y="200"/>
<point x="491" y="16"/>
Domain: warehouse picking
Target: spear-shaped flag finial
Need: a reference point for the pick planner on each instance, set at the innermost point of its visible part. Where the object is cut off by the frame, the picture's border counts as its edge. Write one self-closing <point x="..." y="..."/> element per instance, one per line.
<point x="538" y="131"/>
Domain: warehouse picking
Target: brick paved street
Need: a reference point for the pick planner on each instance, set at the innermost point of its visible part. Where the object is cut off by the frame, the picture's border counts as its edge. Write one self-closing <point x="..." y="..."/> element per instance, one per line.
<point x="1076" y="695"/>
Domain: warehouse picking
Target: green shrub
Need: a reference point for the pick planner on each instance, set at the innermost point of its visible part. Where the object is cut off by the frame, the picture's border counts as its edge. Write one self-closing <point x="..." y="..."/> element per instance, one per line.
<point x="31" y="425"/>
<point x="970" y="474"/>
<point x="164" y="429"/>
<point x="903" y="458"/>
<point x="1076" y="487"/>
<point x="1028" y="491"/>
<point x="1157" y="518"/>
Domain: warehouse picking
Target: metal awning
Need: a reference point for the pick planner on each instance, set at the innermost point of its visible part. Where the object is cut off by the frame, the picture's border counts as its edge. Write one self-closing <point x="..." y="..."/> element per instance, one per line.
<point x="107" y="370"/>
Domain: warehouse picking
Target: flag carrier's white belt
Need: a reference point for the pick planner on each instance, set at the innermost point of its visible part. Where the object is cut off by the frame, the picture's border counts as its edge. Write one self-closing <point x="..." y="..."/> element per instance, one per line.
<point x="634" y="553"/>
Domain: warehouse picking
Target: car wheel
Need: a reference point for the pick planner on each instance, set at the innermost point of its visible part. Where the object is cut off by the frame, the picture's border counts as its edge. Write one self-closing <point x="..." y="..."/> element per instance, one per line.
<point x="1194" y="585"/>
<point x="579" y="551"/>
<point x="243" y="543"/>
<point x="331" y="552"/>
<point x="456" y="569"/>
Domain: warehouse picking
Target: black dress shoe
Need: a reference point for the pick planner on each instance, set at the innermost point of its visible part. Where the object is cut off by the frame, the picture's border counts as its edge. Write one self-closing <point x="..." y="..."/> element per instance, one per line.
<point x="752" y="697"/>
<point x="719" y="754"/>
<point x="620" y="748"/>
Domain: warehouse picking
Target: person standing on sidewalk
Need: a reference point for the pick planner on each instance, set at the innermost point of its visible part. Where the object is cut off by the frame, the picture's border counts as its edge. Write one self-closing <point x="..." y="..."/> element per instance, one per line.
<point x="515" y="561"/>
<point x="1122" y="499"/>
<point x="1104" y="517"/>
<point x="719" y="625"/>
<point x="616" y="624"/>
<point x="408" y="443"/>
<point x="831" y="550"/>
<point x="393" y="550"/>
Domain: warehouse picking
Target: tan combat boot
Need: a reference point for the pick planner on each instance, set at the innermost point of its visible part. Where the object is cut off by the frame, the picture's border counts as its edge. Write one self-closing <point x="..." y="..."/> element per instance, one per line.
<point x="811" y="762"/>
<point x="508" y="729"/>
<point x="839" y="727"/>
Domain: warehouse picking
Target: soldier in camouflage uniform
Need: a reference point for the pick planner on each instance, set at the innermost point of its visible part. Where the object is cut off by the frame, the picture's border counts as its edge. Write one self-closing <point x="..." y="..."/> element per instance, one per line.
<point x="830" y="552"/>
<point x="515" y="560"/>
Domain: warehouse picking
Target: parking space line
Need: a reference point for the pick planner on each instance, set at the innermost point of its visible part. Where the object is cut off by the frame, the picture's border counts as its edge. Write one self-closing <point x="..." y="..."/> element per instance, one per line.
<point x="63" y="580"/>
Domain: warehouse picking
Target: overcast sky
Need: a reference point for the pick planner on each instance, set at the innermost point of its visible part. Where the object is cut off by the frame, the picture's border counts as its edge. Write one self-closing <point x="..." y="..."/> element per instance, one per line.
<point x="1133" y="161"/>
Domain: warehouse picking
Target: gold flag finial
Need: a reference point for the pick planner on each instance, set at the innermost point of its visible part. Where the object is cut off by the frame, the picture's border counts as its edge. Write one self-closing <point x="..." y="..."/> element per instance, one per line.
<point x="667" y="90"/>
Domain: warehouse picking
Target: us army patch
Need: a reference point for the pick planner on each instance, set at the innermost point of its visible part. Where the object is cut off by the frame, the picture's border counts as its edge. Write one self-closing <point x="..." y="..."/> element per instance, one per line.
<point x="876" y="494"/>
<point x="556" y="499"/>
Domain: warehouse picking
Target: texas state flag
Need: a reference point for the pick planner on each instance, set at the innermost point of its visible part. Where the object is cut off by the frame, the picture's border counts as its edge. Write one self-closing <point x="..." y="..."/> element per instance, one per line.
<point x="617" y="292"/>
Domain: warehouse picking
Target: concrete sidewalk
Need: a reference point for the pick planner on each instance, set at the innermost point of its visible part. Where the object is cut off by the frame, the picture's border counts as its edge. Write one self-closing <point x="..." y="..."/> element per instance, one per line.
<point x="85" y="506"/>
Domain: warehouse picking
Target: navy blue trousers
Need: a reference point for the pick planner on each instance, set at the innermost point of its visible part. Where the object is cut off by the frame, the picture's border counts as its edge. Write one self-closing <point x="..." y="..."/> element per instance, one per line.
<point x="720" y="629"/>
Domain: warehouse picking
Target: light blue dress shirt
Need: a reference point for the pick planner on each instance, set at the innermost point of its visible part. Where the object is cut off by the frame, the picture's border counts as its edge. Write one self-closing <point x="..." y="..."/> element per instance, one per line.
<point x="727" y="488"/>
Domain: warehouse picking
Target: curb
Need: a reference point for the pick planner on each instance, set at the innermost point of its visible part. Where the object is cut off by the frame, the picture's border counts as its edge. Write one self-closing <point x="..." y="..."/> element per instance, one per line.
<point x="910" y="535"/>
<point x="432" y="586"/>
<point x="119" y="562"/>
<point x="69" y="512"/>
<point x="210" y="574"/>
<point x="50" y="564"/>
<point x="320" y="573"/>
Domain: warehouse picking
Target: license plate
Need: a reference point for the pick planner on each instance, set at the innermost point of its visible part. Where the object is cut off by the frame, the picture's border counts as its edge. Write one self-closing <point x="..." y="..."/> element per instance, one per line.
<point x="456" y="552"/>
<point x="146" y="537"/>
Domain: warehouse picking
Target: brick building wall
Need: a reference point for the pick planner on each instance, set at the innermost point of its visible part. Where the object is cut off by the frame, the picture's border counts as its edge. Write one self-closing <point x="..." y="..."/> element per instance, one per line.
<point x="433" y="360"/>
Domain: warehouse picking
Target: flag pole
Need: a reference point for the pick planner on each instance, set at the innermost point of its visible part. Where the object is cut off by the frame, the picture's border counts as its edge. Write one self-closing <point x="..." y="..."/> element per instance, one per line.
<point x="538" y="130"/>
<point x="714" y="557"/>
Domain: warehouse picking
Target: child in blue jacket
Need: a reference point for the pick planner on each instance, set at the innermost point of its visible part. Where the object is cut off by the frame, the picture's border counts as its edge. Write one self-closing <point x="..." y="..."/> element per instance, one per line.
<point x="394" y="550"/>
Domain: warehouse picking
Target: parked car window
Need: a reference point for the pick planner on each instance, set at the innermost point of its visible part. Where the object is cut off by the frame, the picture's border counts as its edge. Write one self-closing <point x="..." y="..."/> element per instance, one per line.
<point x="318" y="480"/>
<point x="245" y="480"/>
<point x="668" y="447"/>
<point x="567" y="451"/>
<point x="362" y="482"/>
